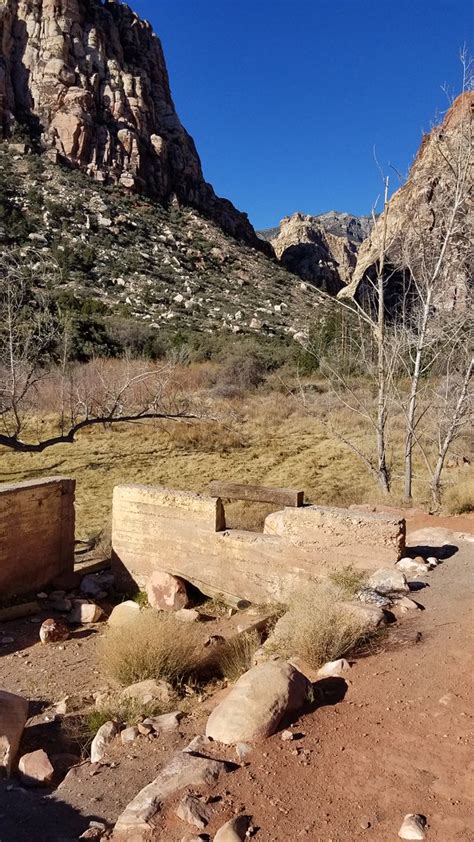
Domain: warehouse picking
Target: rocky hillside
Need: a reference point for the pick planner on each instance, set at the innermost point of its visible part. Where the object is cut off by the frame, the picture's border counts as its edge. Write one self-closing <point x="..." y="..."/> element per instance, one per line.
<point x="126" y="258"/>
<point x="437" y="197"/>
<point x="88" y="79"/>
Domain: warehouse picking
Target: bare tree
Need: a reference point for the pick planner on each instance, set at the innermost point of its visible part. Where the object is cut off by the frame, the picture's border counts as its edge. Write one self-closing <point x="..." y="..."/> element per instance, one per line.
<point x="35" y="366"/>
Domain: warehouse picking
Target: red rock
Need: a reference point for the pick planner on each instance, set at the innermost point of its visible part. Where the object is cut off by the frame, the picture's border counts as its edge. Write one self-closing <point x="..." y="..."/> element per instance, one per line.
<point x="36" y="769"/>
<point x="166" y="592"/>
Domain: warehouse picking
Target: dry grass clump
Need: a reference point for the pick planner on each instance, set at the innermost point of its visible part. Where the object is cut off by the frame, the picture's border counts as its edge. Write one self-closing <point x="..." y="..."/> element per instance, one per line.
<point x="348" y="579"/>
<point x="235" y="656"/>
<point x="317" y="628"/>
<point x="459" y="498"/>
<point x="204" y="436"/>
<point x="155" y="646"/>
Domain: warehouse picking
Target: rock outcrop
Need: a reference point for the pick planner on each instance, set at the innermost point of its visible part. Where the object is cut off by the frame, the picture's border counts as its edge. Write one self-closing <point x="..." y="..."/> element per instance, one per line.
<point x="305" y="247"/>
<point x="89" y="80"/>
<point x="419" y="213"/>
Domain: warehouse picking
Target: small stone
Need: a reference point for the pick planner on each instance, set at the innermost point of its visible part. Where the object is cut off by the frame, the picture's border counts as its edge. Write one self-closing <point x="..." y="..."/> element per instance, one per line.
<point x="165" y="723"/>
<point x="412" y="566"/>
<point x="129" y="735"/>
<point x="36" y="769"/>
<point x="432" y="562"/>
<point x="286" y="736"/>
<point x="123" y="614"/>
<point x="85" y="613"/>
<point x="194" y="812"/>
<point x="188" y="615"/>
<point x="144" y="730"/>
<point x="148" y="691"/>
<point x="242" y="751"/>
<point x="52" y="631"/>
<point x="334" y="669"/>
<point x="233" y="831"/>
<point x="413" y="827"/>
<point x="388" y="581"/>
<point x="106" y="733"/>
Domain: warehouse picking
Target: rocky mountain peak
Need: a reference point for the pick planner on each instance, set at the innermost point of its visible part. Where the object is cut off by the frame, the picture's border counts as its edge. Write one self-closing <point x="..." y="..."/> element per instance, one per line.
<point x="306" y="247"/>
<point x="419" y="213"/>
<point x="89" y="80"/>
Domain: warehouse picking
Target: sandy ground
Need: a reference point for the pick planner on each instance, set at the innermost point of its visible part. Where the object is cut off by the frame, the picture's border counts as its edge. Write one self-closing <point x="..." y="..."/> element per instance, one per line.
<point x="396" y="738"/>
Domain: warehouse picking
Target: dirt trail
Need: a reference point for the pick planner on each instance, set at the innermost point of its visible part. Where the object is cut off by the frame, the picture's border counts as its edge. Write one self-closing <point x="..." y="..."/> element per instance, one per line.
<point x="399" y="742"/>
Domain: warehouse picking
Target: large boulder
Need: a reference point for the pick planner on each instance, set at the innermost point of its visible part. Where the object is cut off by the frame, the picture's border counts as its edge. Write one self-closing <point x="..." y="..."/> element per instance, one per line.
<point x="13" y="716"/>
<point x="258" y="703"/>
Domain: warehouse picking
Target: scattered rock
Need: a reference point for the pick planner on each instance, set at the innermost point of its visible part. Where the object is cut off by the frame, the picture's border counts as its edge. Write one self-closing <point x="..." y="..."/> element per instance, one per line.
<point x="243" y="750"/>
<point x="52" y="631"/>
<point x="413" y="827"/>
<point x="233" y="831"/>
<point x="257" y="703"/>
<point x="194" y="812"/>
<point x="188" y="615"/>
<point x="166" y="592"/>
<point x="198" y="745"/>
<point x="164" y="723"/>
<point x="369" y="596"/>
<point x="106" y="733"/>
<point x="85" y="613"/>
<point x="123" y="614"/>
<point x="148" y="691"/>
<point x="137" y="822"/>
<point x="412" y="566"/>
<point x="388" y="581"/>
<point x="334" y="669"/>
<point x="287" y="736"/>
<point x="432" y="562"/>
<point x="13" y="716"/>
<point x="129" y="735"/>
<point x="36" y="769"/>
<point x="97" y="585"/>
<point x="371" y="616"/>
<point x="404" y="605"/>
<point x="145" y="730"/>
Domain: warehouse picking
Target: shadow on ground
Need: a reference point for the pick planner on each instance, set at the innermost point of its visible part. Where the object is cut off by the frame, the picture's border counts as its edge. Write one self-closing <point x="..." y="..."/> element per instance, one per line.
<point x="27" y="815"/>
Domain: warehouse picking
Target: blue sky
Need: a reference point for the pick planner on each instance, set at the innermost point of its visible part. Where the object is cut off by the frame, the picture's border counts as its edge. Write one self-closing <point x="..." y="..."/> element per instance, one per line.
<point x="286" y="99"/>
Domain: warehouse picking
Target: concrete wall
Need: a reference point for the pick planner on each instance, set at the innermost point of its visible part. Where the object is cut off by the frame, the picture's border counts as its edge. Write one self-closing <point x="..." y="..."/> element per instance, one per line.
<point x="184" y="534"/>
<point x="36" y="533"/>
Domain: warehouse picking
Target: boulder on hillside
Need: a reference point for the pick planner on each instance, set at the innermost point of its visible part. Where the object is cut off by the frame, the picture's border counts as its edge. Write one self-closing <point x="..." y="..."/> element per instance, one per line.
<point x="258" y="703"/>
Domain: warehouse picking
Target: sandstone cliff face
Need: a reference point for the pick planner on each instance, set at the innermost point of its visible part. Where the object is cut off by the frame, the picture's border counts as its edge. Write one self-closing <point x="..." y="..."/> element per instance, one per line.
<point x="418" y="215"/>
<point x="306" y="248"/>
<point x="90" y="78"/>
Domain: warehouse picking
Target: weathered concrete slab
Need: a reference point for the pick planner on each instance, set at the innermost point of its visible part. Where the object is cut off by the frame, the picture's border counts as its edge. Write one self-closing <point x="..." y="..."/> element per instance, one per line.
<point x="363" y="539"/>
<point x="36" y="533"/>
<point x="153" y="530"/>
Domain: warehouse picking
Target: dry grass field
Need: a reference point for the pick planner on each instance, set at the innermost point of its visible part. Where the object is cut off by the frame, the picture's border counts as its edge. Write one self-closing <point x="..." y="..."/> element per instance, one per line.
<point x="264" y="436"/>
